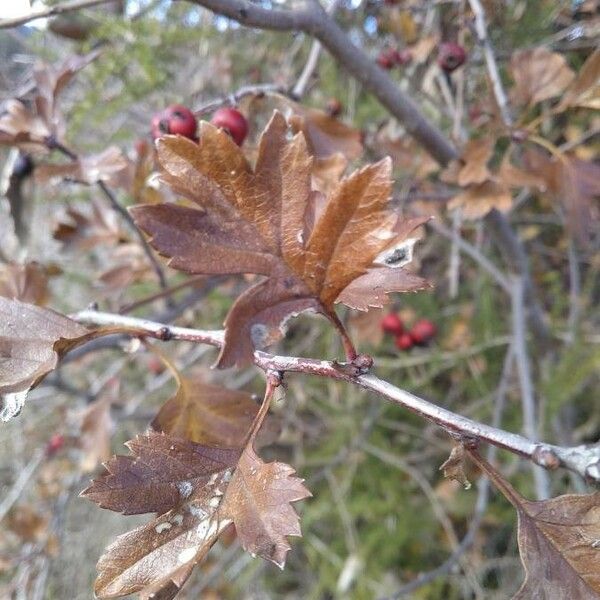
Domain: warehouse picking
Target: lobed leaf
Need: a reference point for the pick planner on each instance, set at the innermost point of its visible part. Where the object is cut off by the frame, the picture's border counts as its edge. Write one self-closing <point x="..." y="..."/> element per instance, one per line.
<point x="208" y="414"/>
<point x="32" y="339"/>
<point x="270" y="221"/>
<point x="199" y="491"/>
<point x="558" y="542"/>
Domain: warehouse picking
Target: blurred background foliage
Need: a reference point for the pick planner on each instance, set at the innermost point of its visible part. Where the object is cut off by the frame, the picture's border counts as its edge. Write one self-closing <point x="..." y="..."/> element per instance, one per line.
<point x="381" y="512"/>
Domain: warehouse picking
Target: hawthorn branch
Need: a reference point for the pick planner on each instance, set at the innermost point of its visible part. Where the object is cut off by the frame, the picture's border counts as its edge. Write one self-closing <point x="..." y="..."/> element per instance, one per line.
<point x="314" y="21"/>
<point x="584" y="460"/>
<point x="490" y="61"/>
<point x="234" y="99"/>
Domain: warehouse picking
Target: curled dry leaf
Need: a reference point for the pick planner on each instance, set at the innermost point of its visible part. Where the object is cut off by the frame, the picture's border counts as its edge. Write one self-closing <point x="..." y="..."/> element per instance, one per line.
<point x="130" y="265"/>
<point x="558" y="542"/>
<point x="512" y="176"/>
<point x="454" y="466"/>
<point x="84" y="231"/>
<point x="32" y="339"/>
<point x="269" y="221"/>
<point x="27" y="282"/>
<point x="325" y="135"/>
<point x="18" y="125"/>
<point x="539" y="74"/>
<point x="327" y="172"/>
<point x="95" y="432"/>
<point x="88" y="169"/>
<point x="476" y="201"/>
<point x="475" y="157"/>
<point x="584" y="92"/>
<point x="198" y="492"/>
<point x="21" y="124"/>
<point x="210" y="414"/>
<point x="572" y="182"/>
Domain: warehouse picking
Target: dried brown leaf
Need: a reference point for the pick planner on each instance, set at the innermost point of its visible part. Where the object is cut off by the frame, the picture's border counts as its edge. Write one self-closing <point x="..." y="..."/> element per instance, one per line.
<point x="327" y="172"/>
<point x="475" y="157"/>
<point x="512" y="176"/>
<point x="539" y="74"/>
<point x="207" y="414"/>
<point x="476" y="201"/>
<point x="95" y="432"/>
<point x="584" y="92"/>
<point x="325" y="135"/>
<point x="32" y="339"/>
<point x="199" y="491"/>
<point x="28" y="523"/>
<point x="258" y="501"/>
<point x="21" y="124"/>
<point x="27" y="282"/>
<point x="572" y="182"/>
<point x="558" y="543"/>
<point x="88" y="169"/>
<point x="269" y="221"/>
<point x="165" y="470"/>
<point x="85" y="231"/>
<point x="454" y="466"/>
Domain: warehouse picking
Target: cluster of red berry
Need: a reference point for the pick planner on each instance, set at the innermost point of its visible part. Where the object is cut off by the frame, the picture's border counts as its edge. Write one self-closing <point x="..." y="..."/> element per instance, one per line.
<point x="418" y="335"/>
<point x="180" y="120"/>
<point x="390" y="57"/>
<point x="450" y="56"/>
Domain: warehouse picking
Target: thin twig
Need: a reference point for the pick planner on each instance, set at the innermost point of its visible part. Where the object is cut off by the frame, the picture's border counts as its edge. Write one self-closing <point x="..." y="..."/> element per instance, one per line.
<point x="490" y="61"/>
<point x="234" y="99"/>
<point x="116" y="205"/>
<point x="458" y="548"/>
<point x="574" y="291"/>
<point x="309" y="68"/>
<point x="482" y="496"/>
<point x="315" y="21"/>
<point x="485" y="263"/>
<point x="312" y="61"/>
<point x="54" y="144"/>
<point x="530" y="418"/>
<point x="584" y="460"/>
<point x="51" y="11"/>
<point x="516" y="259"/>
<point x="19" y="485"/>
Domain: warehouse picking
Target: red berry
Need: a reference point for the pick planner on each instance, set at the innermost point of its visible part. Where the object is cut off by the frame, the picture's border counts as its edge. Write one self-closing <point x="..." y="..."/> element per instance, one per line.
<point x="233" y="122"/>
<point x="387" y="58"/>
<point x="141" y="147"/>
<point x="404" y="341"/>
<point x="155" y="365"/>
<point x="403" y="57"/>
<point x="55" y="443"/>
<point x="392" y="323"/>
<point x="451" y="56"/>
<point x="334" y="107"/>
<point x="422" y="331"/>
<point x="175" y="119"/>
